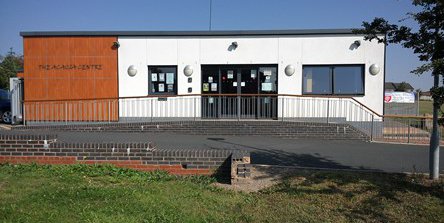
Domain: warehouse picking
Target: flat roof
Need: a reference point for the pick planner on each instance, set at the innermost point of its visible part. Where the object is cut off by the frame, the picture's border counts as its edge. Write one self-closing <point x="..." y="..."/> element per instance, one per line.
<point x="192" y="33"/>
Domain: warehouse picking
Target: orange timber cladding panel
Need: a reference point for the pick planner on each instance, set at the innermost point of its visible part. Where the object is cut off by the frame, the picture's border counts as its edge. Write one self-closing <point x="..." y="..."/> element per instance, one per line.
<point x="64" y="72"/>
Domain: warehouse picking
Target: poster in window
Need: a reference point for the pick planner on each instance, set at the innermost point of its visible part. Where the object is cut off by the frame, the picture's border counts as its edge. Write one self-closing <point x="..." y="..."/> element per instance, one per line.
<point x="267" y="72"/>
<point x="210" y="79"/>
<point x="161" y="87"/>
<point x="170" y="87"/>
<point x="230" y="74"/>
<point x="213" y="86"/>
<point x="153" y="77"/>
<point x="266" y="87"/>
<point x="253" y="74"/>
<point x="170" y="78"/>
<point x="161" y="77"/>
<point x="309" y="83"/>
<point x="206" y="87"/>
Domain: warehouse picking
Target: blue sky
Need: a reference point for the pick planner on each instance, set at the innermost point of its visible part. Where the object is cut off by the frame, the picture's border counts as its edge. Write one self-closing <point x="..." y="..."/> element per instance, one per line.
<point x="53" y="15"/>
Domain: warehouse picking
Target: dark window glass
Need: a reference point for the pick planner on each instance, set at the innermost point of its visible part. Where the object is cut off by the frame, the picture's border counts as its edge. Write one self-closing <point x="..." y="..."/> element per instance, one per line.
<point x="229" y="80"/>
<point x="316" y="80"/>
<point x="162" y="80"/>
<point x="348" y="80"/>
<point x="210" y="80"/>
<point x="333" y="80"/>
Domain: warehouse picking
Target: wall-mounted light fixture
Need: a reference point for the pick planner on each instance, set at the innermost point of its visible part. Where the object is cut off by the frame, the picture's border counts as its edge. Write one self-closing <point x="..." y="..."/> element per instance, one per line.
<point x="132" y="71"/>
<point x="233" y="46"/>
<point x="374" y="69"/>
<point x="289" y="70"/>
<point x="188" y="70"/>
<point x="116" y="44"/>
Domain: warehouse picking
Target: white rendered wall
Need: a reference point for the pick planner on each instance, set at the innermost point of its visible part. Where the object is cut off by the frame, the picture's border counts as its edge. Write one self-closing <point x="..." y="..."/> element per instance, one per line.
<point x="284" y="50"/>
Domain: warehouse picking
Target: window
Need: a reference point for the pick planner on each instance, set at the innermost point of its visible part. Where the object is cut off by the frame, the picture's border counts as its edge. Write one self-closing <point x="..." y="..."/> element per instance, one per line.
<point x="348" y="80"/>
<point x="162" y="80"/>
<point x="210" y="80"/>
<point x="268" y="80"/>
<point x="317" y="80"/>
<point x="333" y="79"/>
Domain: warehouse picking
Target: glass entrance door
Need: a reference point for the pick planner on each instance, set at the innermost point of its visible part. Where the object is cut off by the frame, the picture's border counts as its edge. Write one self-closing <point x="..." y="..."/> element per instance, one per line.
<point x="267" y="105"/>
<point x="229" y="89"/>
<point x="248" y="88"/>
<point x="242" y="92"/>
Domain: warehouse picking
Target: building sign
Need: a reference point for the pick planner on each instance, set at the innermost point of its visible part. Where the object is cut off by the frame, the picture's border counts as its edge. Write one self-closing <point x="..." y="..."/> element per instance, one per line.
<point x="70" y="67"/>
<point x="399" y="97"/>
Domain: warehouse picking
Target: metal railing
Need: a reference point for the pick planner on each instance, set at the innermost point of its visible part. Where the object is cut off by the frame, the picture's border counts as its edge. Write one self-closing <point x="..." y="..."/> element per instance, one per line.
<point x="278" y="107"/>
<point x="293" y="108"/>
<point x="406" y="129"/>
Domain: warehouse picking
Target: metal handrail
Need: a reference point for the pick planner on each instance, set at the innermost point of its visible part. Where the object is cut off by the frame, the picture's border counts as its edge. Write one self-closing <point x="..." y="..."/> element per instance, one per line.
<point x="208" y="95"/>
<point x="287" y="107"/>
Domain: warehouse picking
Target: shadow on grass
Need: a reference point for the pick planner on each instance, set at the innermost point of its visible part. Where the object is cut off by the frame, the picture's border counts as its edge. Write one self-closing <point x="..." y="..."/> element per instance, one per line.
<point x="370" y="195"/>
<point x="283" y="158"/>
<point x="223" y="173"/>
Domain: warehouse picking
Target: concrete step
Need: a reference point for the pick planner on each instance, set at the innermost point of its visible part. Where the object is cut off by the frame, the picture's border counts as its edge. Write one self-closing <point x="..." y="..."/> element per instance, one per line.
<point x="270" y="128"/>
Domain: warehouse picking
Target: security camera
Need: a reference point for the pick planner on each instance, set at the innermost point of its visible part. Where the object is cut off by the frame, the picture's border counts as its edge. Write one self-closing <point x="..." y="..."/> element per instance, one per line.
<point x="357" y="43"/>
<point x="234" y="44"/>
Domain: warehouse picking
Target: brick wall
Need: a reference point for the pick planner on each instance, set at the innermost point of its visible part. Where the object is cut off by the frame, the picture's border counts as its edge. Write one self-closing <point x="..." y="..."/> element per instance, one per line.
<point x="44" y="149"/>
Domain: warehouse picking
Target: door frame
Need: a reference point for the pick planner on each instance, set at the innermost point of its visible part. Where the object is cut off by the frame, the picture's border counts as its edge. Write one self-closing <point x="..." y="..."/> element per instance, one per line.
<point x="238" y="68"/>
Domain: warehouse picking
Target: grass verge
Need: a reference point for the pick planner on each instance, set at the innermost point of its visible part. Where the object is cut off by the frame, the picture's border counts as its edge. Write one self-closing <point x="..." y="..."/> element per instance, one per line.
<point x="82" y="193"/>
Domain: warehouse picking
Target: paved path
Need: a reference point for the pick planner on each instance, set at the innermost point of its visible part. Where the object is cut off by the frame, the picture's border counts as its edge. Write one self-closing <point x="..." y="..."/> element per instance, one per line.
<point x="277" y="151"/>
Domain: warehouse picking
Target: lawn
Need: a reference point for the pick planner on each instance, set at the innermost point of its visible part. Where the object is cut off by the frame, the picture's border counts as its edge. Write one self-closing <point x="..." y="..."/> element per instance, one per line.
<point x="80" y="193"/>
<point x="425" y="107"/>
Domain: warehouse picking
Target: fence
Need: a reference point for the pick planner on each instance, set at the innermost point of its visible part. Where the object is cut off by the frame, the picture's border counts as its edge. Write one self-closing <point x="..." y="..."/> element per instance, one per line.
<point x="401" y="108"/>
<point x="289" y="108"/>
<point x="406" y="129"/>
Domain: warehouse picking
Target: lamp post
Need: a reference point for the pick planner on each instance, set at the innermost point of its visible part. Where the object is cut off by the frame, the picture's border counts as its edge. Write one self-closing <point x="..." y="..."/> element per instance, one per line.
<point x="211" y="3"/>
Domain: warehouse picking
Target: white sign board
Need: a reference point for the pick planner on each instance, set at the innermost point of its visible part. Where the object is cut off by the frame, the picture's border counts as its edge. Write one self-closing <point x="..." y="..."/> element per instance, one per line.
<point x="399" y="97"/>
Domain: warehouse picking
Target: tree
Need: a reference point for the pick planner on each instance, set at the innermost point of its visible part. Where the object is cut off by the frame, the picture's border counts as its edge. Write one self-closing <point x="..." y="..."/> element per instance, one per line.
<point x="403" y="86"/>
<point x="428" y="43"/>
<point x="9" y="66"/>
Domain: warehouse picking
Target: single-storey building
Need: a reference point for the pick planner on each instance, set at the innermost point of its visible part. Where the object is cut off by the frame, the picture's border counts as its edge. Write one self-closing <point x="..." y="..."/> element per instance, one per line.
<point x="266" y="74"/>
<point x="399" y="87"/>
<point x="425" y="96"/>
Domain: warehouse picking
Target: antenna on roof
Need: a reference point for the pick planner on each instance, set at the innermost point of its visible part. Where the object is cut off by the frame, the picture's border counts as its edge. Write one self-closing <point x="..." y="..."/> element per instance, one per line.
<point x="211" y="3"/>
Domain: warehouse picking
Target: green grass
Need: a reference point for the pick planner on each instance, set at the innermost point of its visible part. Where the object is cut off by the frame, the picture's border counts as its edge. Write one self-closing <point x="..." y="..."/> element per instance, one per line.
<point x="425" y="107"/>
<point x="80" y="193"/>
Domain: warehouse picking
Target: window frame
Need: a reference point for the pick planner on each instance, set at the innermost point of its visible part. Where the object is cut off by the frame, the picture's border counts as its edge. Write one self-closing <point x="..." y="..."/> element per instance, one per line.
<point x="175" y="85"/>
<point x="332" y="79"/>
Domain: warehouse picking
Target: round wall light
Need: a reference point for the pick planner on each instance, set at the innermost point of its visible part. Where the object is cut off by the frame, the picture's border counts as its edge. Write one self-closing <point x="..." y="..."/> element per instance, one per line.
<point x="289" y="70"/>
<point x="132" y="71"/>
<point x="188" y="70"/>
<point x="374" y="69"/>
